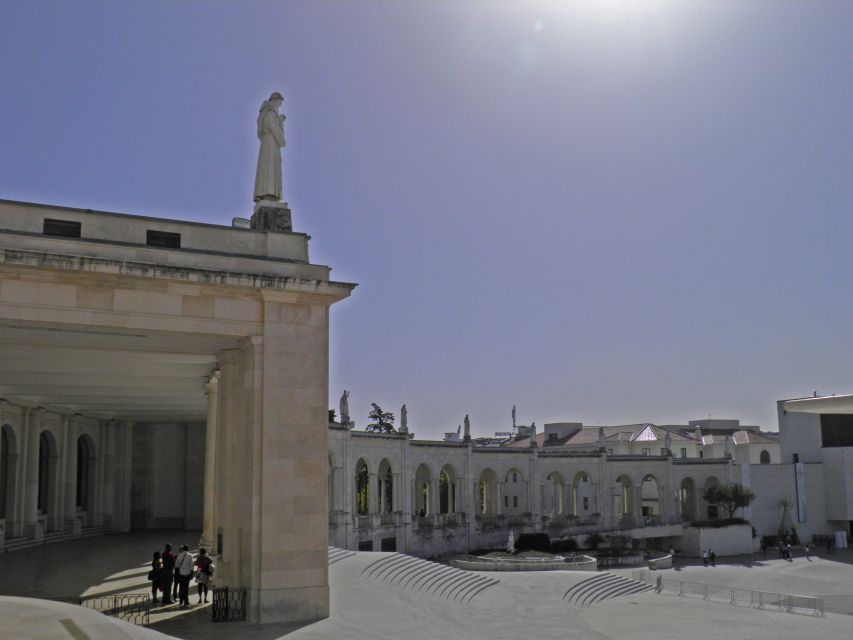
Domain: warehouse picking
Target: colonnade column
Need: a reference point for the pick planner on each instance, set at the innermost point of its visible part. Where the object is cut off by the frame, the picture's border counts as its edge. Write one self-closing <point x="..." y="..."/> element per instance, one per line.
<point x="32" y="427"/>
<point x="72" y="522"/>
<point x="208" y="532"/>
<point x="500" y="490"/>
<point x="434" y="497"/>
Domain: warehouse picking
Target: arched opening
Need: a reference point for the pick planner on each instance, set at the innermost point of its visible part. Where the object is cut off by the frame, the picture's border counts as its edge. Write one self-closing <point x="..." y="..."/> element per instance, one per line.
<point x="514" y="493"/>
<point x="764" y="457"/>
<point x="386" y="487"/>
<point x="623" y="502"/>
<point x="362" y="488"/>
<point x="85" y="473"/>
<point x="650" y="494"/>
<point x="447" y="490"/>
<point x="487" y="493"/>
<point x="8" y="465"/>
<point x="687" y="498"/>
<point x="552" y="498"/>
<point x="47" y="473"/>
<point x="582" y="502"/>
<point x="423" y="491"/>
<point x="712" y="511"/>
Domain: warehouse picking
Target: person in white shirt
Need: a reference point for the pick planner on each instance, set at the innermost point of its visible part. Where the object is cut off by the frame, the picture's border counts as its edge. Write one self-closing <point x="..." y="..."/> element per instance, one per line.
<point x="184" y="567"/>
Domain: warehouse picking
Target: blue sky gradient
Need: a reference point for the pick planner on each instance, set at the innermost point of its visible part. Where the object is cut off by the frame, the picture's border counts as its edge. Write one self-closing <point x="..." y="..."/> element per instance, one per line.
<point x="599" y="210"/>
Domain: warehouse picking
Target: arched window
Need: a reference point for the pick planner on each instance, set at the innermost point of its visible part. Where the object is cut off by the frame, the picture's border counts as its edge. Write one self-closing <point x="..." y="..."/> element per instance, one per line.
<point x="84" y="455"/>
<point x="386" y="487"/>
<point x="5" y="458"/>
<point x="447" y="490"/>
<point x="362" y="488"/>
<point x="47" y="457"/>
<point x="764" y="458"/>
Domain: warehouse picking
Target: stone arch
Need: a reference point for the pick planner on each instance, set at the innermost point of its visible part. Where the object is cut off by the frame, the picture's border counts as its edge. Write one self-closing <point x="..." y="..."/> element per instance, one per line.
<point x="487" y="492"/>
<point x="48" y="454"/>
<point x="8" y="471"/>
<point x="85" y="485"/>
<point x="553" y="496"/>
<point x="687" y="498"/>
<point x="623" y="498"/>
<point x="582" y="494"/>
<point x="362" y="488"/>
<point x="650" y="494"/>
<point x="385" y="482"/>
<point x="448" y="481"/>
<point x="711" y="511"/>
<point x="514" y="494"/>
<point x="764" y="457"/>
<point x="423" y="490"/>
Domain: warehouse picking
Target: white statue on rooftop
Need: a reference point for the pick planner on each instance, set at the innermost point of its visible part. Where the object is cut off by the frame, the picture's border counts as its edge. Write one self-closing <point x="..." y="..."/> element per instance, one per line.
<point x="345" y="407"/>
<point x="404" y="419"/>
<point x="268" y="183"/>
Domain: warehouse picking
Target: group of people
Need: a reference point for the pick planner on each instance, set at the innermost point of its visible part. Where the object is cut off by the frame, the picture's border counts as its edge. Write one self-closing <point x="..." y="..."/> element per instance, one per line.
<point x="171" y="574"/>
<point x="708" y="555"/>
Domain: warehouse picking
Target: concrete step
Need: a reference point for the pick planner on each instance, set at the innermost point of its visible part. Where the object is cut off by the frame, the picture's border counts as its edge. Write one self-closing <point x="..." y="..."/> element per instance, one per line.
<point x="336" y="554"/>
<point x="429" y="578"/>
<point x="603" y="587"/>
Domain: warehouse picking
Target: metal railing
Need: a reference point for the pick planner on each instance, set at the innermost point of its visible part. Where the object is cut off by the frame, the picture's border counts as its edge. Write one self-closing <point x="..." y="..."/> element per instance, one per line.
<point x="734" y="595"/>
<point x="229" y="604"/>
<point x="133" y="608"/>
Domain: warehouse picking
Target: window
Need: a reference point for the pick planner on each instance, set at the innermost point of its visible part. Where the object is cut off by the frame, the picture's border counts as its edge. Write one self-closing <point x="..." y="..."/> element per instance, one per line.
<point x="663" y="451"/>
<point x="65" y="228"/>
<point x="506" y="501"/>
<point x="389" y="544"/>
<point x="515" y="501"/>
<point x="646" y="451"/>
<point x="163" y="239"/>
<point x="764" y="458"/>
<point x="552" y="436"/>
<point x="683" y="452"/>
<point x="701" y="454"/>
<point x="365" y="545"/>
<point x="515" y="477"/>
<point x="585" y="503"/>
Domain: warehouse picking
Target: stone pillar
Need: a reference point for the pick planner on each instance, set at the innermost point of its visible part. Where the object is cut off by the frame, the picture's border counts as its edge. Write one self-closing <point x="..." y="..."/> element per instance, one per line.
<point x="71" y="521"/>
<point x="278" y="530"/>
<point x="500" y="491"/>
<point x="208" y="533"/>
<point x="32" y="426"/>
<point x="433" y="497"/>
<point x="124" y="467"/>
<point x="372" y="493"/>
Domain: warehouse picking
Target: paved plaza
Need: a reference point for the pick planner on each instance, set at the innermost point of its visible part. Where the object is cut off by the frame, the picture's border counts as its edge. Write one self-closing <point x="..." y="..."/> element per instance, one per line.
<point x="381" y="595"/>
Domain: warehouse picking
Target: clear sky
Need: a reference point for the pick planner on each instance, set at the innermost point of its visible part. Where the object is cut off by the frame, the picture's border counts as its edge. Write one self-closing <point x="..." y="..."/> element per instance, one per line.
<point x="599" y="210"/>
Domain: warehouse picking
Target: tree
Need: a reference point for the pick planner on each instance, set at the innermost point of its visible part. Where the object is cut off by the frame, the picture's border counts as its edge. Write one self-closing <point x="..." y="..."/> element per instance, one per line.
<point x="730" y="497"/>
<point x="382" y="421"/>
<point x="332" y="415"/>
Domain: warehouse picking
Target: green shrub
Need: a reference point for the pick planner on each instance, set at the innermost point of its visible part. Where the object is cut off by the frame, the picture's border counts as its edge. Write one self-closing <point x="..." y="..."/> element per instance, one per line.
<point x="593" y="540"/>
<point x="534" y="542"/>
<point x="564" y="545"/>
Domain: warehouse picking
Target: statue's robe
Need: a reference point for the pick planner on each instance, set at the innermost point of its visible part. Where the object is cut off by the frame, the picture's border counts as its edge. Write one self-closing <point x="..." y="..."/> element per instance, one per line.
<point x="268" y="176"/>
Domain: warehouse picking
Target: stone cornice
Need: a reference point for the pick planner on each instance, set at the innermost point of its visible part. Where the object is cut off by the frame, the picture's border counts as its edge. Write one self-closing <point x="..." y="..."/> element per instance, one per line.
<point x="326" y="290"/>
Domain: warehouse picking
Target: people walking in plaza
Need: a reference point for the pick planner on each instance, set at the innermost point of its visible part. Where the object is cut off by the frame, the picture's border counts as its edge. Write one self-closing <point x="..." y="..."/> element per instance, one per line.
<point x="807" y="551"/>
<point x="704" y="558"/>
<point x="167" y="574"/>
<point x="184" y="571"/>
<point x="788" y="552"/>
<point x="155" y="575"/>
<point x="204" y="569"/>
<point x="713" y="557"/>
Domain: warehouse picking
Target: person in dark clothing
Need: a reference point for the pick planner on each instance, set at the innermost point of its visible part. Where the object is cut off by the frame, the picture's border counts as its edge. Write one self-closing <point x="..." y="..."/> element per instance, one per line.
<point x="203" y="566"/>
<point x="156" y="575"/>
<point x="713" y="557"/>
<point x="167" y="574"/>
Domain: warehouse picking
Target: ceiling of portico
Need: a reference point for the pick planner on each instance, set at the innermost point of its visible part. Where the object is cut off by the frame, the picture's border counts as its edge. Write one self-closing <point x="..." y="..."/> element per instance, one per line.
<point x="115" y="373"/>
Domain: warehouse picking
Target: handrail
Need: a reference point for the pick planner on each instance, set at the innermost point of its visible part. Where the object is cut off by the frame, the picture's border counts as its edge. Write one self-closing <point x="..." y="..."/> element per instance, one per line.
<point x="734" y="595"/>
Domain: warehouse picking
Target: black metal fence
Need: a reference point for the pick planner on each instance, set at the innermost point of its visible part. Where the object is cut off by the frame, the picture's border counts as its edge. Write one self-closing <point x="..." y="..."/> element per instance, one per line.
<point x="733" y="595"/>
<point x="133" y="607"/>
<point x="229" y="603"/>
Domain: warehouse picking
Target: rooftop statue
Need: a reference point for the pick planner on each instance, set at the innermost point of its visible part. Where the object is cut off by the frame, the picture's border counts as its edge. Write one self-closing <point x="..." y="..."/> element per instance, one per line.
<point x="404" y="419"/>
<point x="345" y="407"/>
<point x="268" y="183"/>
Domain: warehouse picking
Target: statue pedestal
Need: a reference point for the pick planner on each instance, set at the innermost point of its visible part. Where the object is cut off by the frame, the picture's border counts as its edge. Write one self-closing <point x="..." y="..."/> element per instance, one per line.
<point x="272" y="216"/>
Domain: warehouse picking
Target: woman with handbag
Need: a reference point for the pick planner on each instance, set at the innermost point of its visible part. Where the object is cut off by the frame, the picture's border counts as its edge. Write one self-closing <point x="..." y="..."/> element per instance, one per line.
<point x="155" y="574"/>
<point x="204" y="569"/>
